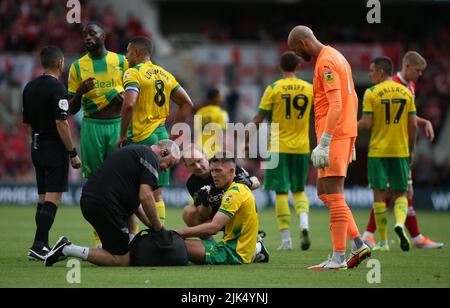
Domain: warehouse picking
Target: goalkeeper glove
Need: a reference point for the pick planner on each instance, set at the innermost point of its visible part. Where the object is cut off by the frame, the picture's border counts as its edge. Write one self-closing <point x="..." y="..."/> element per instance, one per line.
<point x="201" y="196"/>
<point x="320" y="156"/>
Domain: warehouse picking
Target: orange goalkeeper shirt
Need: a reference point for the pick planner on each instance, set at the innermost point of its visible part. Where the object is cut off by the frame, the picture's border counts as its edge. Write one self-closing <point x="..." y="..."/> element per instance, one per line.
<point x="332" y="72"/>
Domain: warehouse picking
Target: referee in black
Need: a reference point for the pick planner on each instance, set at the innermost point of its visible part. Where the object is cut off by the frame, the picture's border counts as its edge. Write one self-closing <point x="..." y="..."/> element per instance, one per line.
<point x="45" y="109"/>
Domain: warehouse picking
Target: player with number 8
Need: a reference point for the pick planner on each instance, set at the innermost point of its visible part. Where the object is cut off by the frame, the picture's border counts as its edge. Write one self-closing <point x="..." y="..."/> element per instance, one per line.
<point x="148" y="91"/>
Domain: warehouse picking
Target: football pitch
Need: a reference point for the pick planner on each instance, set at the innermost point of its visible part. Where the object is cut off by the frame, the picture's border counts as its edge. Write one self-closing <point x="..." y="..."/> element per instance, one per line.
<point x="416" y="268"/>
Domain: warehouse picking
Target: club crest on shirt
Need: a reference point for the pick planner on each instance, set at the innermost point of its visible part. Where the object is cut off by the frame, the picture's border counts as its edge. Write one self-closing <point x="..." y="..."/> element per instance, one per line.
<point x="63" y="104"/>
<point x="328" y="75"/>
<point x="227" y="200"/>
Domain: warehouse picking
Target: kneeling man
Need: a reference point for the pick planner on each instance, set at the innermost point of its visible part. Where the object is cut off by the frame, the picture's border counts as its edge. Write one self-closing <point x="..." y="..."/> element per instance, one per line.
<point x="112" y="194"/>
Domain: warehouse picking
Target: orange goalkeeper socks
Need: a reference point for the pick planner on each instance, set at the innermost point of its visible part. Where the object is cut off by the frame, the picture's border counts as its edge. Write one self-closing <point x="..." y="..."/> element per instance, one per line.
<point x="352" y="230"/>
<point x="324" y="198"/>
<point x="339" y="221"/>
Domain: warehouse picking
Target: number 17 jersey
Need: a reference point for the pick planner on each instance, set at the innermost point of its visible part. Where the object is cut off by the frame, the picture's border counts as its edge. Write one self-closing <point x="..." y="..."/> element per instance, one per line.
<point x="154" y="86"/>
<point x="390" y="104"/>
<point x="289" y="101"/>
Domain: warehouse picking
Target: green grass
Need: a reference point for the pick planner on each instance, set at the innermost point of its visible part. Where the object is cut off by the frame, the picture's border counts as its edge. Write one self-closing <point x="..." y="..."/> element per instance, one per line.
<point x="417" y="268"/>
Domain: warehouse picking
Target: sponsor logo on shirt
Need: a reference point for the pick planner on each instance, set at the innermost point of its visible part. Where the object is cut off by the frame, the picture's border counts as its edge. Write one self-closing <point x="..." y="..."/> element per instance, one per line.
<point x="105" y="84"/>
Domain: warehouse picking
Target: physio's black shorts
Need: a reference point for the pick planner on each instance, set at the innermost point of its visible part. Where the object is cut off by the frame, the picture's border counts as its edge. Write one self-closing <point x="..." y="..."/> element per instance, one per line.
<point x="51" y="162"/>
<point x="112" y="229"/>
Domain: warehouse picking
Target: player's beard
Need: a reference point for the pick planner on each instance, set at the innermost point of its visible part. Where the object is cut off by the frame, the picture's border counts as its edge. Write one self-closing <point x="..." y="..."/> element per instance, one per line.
<point x="92" y="47"/>
<point x="132" y="62"/>
<point x="305" y="56"/>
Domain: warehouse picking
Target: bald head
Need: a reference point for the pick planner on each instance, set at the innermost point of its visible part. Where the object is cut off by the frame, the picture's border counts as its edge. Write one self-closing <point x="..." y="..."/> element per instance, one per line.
<point x="196" y="161"/>
<point x="302" y="41"/>
<point x="168" y="153"/>
<point x="300" y="32"/>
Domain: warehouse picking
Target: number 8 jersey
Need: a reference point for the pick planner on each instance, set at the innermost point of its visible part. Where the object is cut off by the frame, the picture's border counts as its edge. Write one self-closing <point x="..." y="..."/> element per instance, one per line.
<point x="390" y="105"/>
<point x="288" y="101"/>
<point x="154" y="85"/>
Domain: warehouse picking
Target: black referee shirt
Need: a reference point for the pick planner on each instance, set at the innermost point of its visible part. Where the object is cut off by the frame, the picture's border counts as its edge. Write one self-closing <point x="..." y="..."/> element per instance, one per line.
<point x="116" y="183"/>
<point x="44" y="101"/>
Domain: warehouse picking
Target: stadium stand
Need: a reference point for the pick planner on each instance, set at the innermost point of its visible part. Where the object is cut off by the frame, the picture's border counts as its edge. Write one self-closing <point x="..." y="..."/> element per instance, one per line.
<point x="24" y="29"/>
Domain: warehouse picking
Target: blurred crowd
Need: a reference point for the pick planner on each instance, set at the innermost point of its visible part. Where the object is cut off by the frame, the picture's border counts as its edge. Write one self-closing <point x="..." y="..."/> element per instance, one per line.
<point x="15" y="160"/>
<point x="26" y="26"/>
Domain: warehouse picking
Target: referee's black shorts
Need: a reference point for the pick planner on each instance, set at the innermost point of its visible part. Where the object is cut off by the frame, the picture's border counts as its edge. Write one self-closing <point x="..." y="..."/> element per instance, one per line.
<point x="111" y="228"/>
<point x="51" y="162"/>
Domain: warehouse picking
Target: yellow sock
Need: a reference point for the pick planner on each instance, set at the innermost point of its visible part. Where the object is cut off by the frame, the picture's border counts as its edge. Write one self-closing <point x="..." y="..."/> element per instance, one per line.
<point x="400" y="211"/>
<point x="133" y="225"/>
<point x="379" y="209"/>
<point x="161" y="208"/>
<point x="282" y="211"/>
<point x="301" y="205"/>
<point x="301" y="202"/>
<point x="96" y="238"/>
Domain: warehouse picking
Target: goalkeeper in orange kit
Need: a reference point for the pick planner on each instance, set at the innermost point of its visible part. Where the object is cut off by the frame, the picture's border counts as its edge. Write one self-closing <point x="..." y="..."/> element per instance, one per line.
<point x="335" y="110"/>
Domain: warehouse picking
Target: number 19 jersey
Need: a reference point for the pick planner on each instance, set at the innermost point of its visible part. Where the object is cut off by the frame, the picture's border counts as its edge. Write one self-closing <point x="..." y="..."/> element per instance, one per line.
<point x="390" y="104"/>
<point x="289" y="102"/>
<point x="154" y="85"/>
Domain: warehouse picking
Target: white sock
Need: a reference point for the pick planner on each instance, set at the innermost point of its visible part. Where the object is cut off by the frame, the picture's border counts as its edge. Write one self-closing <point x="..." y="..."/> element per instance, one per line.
<point x="399" y="225"/>
<point x="304" y="221"/>
<point x="285" y="235"/>
<point x="258" y="247"/>
<point x="354" y="248"/>
<point x="367" y="234"/>
<point x="417" y="238"/>
<point x="339" y="257"/>
<point x="383" y="242"/>
<point x="76" y="251"/>
<point x="357" y="243"/>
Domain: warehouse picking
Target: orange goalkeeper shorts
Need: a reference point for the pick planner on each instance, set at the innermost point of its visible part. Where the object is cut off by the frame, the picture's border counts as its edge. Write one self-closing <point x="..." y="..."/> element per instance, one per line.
<point x="341" y="152"/>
